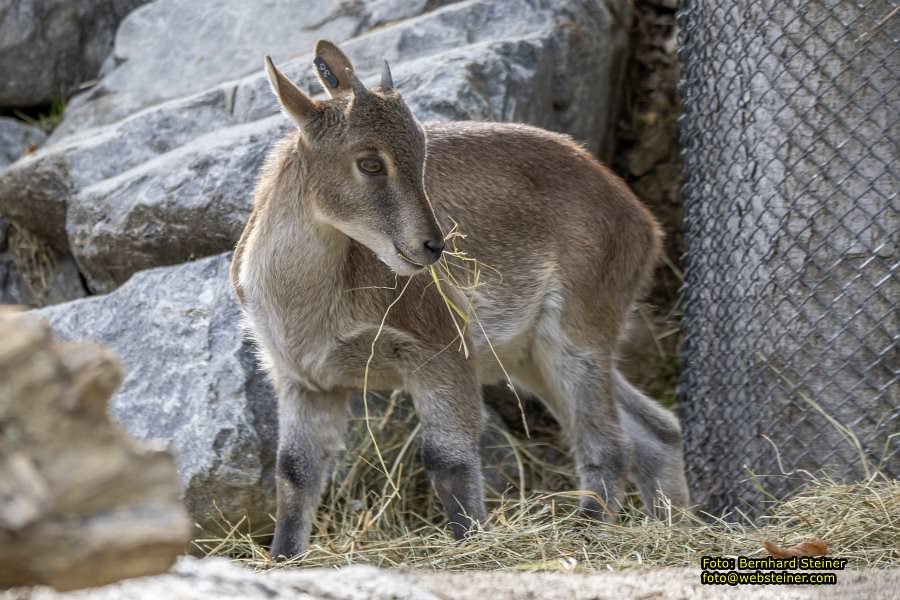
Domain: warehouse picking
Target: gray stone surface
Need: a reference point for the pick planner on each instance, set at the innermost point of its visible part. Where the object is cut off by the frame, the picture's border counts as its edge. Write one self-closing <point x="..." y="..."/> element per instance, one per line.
<point x="135" y="190"/>
<point x="12" y="287"/>
<point x="188" y="203"/>
<point x="49" y="47"/>
<point x="218" y="579"/>
<point x="171" y="48"/>
<point x="33" y="273"/>
<point x="17" y="138"/>
<point x="190" y="381"/>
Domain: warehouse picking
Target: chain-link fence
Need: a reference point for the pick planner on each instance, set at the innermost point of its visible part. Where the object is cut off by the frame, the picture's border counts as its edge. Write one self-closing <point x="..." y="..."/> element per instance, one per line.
<point x="790" y="138"/>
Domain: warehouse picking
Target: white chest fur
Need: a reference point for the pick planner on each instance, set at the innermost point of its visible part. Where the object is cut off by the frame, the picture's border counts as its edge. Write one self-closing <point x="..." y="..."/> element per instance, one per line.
<point x="290" y="308"/>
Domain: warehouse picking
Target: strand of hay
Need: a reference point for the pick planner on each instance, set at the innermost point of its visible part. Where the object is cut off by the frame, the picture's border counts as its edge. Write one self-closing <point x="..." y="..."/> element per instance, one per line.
<point x="842" y="429"/>
<point x="365" y="390"/>
<point x="472" y="267"/>
<point x="441" y="273"/>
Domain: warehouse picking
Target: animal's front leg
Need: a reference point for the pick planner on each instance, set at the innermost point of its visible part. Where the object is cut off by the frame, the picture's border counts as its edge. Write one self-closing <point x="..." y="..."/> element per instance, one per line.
<point x="311" y="428"/>
<point x="450" y="408"/>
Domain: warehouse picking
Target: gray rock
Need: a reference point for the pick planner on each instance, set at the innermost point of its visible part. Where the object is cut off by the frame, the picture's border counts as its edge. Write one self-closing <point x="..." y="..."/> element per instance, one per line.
<point x="134" y="191"/>
<point x="190" y="381"/>
<point x="171" y="48"/>
<point x="188" y="203"/>
<point x="49" y="47"/>
<point x="17" y="138"/>
<point x="12" y="287"/>
<point x="33" y="273"/>
<point x="221" y="579"/>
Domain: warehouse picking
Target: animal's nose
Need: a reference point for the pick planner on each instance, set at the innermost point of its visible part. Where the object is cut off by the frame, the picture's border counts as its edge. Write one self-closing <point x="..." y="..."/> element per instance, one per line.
<point x="433" y="249"/>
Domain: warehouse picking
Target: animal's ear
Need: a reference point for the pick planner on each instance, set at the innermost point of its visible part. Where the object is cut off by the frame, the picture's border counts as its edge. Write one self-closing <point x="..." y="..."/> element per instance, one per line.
<point x="296" y="105"/>
<point x="331" y="67"/>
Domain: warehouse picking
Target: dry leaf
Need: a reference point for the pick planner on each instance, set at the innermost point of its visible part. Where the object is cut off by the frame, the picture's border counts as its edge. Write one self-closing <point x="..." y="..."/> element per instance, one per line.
<point x="816" y="547"/>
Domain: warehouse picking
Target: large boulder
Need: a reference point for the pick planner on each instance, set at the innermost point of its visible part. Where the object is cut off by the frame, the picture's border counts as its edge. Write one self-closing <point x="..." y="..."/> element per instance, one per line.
<point x="17" y="138"/>
<point x="81" y="503"/>
<point x="190" y="380"/>
<point x="31" y="271"/>
<point x="49" y="47"/>
<point x="171" y="48"/>
<point x="129" y="196"/>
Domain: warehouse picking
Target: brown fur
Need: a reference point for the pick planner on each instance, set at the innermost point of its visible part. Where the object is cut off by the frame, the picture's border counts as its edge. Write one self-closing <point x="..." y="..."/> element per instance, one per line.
<point x="328" y="248"/>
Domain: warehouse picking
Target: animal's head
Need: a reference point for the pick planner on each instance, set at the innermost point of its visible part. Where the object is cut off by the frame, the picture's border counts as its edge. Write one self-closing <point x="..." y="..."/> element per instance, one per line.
<point x="366" y="161"/>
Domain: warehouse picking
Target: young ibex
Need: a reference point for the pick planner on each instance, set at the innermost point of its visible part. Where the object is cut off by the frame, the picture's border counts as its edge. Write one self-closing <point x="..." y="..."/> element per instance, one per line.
<point x="353" y="204"/>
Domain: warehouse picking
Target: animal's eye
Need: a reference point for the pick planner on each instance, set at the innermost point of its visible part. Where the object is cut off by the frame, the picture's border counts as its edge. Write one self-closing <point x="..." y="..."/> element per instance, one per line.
<point x="370" y="166"/>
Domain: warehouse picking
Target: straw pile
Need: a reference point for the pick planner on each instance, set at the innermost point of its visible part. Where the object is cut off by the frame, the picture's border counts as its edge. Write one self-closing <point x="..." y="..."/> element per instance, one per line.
<point x="534" y="524"/>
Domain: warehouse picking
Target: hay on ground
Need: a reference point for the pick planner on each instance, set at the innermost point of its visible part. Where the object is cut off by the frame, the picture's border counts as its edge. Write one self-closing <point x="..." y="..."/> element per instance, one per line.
<point x="362" y="520"/>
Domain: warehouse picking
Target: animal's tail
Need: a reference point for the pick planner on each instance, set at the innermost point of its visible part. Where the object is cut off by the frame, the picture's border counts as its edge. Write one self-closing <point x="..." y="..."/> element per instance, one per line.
<point x="655" y="436"/>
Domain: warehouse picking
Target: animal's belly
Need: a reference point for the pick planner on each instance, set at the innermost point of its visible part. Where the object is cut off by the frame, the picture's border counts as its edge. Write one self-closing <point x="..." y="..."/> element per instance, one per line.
<point x="503" y="340"/>
<point x="509" y="318"/>
<point x="512" y="358"/>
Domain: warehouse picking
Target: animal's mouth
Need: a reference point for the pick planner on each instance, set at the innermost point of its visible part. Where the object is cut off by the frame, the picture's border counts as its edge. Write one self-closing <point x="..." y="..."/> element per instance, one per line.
<point x="408" y="259"/>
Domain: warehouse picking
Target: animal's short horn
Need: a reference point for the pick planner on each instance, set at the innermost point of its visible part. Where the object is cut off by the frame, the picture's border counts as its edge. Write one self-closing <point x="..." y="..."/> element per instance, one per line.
<point x="359" y="89"/>
<point x="387" y="81"/>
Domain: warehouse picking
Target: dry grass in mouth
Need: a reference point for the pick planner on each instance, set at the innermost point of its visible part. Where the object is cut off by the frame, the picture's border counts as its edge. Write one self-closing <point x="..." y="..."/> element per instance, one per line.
<point x="442" y="273"/>
<point x="363" y="520"/>
<point x="443" y="277"/>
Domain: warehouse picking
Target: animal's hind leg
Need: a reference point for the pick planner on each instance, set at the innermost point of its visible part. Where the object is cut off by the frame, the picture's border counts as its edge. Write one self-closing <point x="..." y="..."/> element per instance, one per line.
<point x="580" y="383"/>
